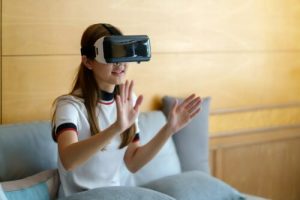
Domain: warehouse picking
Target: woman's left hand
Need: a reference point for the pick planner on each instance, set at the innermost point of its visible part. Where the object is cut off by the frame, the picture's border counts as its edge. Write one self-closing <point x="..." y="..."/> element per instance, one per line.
<point x="126" y="111"/>
<point x="181" y="114"/>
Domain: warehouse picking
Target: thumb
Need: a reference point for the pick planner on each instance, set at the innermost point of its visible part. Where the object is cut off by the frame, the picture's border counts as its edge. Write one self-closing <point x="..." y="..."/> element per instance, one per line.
<point x="174" y="106"/>
<point x="138" y="103"/>
<point x="118" y="102"/>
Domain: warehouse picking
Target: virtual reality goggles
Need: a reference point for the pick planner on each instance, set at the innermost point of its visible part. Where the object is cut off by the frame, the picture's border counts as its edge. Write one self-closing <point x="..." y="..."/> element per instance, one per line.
<point x="119" y="48"/>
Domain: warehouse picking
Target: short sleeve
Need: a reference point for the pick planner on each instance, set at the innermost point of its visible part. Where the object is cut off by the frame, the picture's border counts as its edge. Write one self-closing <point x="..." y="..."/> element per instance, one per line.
<point x="66" y="118"/>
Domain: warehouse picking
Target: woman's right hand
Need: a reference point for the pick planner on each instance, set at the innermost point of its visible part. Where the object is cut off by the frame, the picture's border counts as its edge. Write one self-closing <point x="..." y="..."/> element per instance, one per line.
<point x="181" y="114"/>
<point x="126" y="111"/>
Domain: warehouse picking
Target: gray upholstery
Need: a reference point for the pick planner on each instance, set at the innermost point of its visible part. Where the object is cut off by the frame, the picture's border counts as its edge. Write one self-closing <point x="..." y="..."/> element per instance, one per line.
<point x="166" y="162"/>
<point x="192" y="141"/>
<point x="26" y="149"/>
<point x="194" y="185"/>
<point x="118" y="193"/>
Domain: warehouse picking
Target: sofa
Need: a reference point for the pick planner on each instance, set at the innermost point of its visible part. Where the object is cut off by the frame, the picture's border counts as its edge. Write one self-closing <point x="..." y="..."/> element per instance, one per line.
<point x="28" y="164"/>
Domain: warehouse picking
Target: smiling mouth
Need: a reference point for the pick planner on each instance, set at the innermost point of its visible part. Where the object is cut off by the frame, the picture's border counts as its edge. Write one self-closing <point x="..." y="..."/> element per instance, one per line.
<point x="119" y="72"/>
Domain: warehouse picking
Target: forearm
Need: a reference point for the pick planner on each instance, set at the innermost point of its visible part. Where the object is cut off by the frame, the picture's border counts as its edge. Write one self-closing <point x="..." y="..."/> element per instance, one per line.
<point x="143" y="154"/>
<point x="77" y="153"/>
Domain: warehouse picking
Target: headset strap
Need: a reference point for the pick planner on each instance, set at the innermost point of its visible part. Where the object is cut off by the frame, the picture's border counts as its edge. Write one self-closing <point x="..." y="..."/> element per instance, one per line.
<point x="90" y="51"/>
<point x="112" y="30"/>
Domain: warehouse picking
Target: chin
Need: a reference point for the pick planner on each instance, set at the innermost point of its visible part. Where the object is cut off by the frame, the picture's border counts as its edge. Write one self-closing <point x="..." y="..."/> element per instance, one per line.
<point x="119" y="81"/>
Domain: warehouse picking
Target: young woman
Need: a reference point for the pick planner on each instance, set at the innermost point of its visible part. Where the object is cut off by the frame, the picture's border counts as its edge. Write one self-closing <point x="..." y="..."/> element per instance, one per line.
<point x="96" y="127"/>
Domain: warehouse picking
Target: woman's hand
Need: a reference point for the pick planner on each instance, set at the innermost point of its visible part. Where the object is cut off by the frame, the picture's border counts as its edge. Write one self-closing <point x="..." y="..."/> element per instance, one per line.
<point x="181" y="114"/>
<point x="126" y="111"/>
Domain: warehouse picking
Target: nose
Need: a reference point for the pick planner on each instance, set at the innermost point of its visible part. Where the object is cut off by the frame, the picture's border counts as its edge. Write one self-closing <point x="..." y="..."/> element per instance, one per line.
<point x="117" y="64"/>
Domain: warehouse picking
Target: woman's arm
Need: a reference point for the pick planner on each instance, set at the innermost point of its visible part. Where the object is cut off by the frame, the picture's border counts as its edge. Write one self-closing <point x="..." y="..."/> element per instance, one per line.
<point x="137" y="156"/>
<point x="72" y="152"/>
<point x="180" y="115"/>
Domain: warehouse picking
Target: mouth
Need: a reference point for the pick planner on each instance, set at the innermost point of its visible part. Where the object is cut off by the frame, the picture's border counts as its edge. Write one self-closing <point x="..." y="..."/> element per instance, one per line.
<point x="118" y="72"/>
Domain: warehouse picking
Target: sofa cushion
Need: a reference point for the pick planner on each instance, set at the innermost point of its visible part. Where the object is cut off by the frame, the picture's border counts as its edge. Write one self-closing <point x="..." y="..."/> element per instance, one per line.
<point x="43" y="185"/>
<point x="194" y="185"/>
<point x="166" y="162"/>
<point x="118" y="193"/>
<point x="192" y="141"/>
<point x="26" y="149"/>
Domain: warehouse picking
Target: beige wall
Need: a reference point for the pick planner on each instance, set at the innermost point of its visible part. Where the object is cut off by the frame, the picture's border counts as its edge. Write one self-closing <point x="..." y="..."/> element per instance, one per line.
<point x="245" y="54"/>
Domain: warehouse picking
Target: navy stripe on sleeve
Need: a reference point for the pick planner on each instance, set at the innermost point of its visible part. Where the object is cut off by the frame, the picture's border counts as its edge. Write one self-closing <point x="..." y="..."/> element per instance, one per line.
<point x="61" y="128"/>
<point x="136" y="137"/>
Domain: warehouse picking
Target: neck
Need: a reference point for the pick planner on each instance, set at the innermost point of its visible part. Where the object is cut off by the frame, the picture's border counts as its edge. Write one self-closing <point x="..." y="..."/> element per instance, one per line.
<point x="107" y="87"/>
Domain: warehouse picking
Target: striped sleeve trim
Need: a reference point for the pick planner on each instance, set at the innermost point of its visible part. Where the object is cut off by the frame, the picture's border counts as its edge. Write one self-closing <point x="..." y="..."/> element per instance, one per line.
<point x="61" y="128"/>
<point x="136" y="137"/>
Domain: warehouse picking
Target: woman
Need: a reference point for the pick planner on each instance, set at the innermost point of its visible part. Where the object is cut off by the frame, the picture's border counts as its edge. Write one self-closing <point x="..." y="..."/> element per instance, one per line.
<point x="96" y="127"/>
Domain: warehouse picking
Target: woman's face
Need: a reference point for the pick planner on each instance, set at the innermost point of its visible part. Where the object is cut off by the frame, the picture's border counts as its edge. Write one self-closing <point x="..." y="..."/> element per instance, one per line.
<point x="109" y="75"/>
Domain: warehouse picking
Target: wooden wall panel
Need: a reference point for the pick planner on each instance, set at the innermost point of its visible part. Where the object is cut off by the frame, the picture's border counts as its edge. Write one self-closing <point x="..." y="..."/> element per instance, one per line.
<point x="272" y="170"/>
<point x="264" y="163"/>
<point x="261" y="118"/>
<point x="203" y="74"/>
<point x="30" y="85"/>
<point x="242" y="53"/>
<point x="46" y="27"/>
<point x="233" y="81"/>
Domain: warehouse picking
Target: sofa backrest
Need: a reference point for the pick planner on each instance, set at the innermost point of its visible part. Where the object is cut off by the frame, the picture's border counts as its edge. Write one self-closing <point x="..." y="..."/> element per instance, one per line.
<point x="26" y="149"/>
<point x="166" y="161"/>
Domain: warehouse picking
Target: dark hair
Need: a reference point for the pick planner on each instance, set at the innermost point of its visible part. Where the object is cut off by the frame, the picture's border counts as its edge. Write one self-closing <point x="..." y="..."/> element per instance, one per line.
<point x="86" y="83"/>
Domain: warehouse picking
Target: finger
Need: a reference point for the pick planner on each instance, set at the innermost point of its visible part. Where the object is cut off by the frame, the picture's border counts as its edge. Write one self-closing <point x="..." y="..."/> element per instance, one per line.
<point x="187" y="100"/>
<point x="138" y="103"/>
<point x="194" y="106"/>
<point x="192" y="115"/>
<point x="125" y="91"/>
<point x="174" y="106"/>
<point x="130" y="91"/>
<point x="119" y="104"/>
<point x="122" y="92"/>
<point x="192" y="103"/>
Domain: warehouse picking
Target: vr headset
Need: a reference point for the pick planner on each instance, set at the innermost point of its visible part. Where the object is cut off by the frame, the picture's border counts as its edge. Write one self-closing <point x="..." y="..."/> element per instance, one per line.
<point x="119" y="48"/>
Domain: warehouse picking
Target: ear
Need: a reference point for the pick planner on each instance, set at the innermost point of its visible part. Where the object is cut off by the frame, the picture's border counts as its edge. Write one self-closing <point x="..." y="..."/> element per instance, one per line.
<point x="87" y="62"/>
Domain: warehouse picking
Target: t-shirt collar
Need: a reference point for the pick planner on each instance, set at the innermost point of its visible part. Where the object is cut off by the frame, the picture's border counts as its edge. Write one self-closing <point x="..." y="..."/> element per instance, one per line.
<point x="105" y="96"/>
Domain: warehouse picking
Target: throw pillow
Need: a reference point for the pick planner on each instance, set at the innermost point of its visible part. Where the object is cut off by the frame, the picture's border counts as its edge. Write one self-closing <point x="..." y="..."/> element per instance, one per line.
<point x="2" y="195"/>
<point x="119" y="193"/>
<point x="192" y="141"/>
<point x="195" y="185"/>
<point x="41" y="186"/>
<point x="166" y="162"/>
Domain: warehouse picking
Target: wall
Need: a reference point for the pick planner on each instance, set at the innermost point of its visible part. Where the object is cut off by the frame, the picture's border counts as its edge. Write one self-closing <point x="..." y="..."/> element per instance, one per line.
<point x="244" y="54"/>
<point x="264" y="162"/>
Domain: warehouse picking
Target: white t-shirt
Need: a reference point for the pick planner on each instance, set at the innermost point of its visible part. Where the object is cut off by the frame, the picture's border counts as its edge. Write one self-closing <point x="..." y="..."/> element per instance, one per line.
<point x="103" y="168"/>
